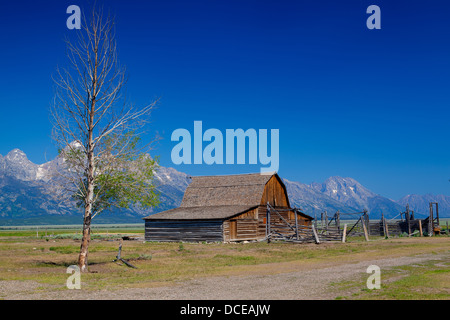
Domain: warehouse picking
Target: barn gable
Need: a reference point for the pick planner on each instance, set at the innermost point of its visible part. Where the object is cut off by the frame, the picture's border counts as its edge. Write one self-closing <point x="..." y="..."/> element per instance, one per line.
<point x="275" y="193"/>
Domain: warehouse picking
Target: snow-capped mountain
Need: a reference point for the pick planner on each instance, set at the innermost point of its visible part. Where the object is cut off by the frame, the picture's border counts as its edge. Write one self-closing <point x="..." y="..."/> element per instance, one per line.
<point x="345" y="190"/>
<point x="28" y="194"/>
<point x="28" y="191"/>
<point x="313" y="201"/>
<point x="350" y="192"/>
<point x="17" y="165"/>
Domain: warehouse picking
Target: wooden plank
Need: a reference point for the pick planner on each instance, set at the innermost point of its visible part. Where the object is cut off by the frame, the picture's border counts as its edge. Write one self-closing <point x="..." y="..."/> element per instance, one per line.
<point x="201" y="230"/>
<point x="344" y="234"/>
<point x="365" y="229"/>
<point x="233" y="229"/>
<point x="408" y="221"/>
<point x="316" y="237"/>
<point x="420" y="228"/>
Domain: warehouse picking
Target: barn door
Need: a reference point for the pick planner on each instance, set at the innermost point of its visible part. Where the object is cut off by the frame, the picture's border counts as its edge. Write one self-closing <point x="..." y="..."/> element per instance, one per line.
<point x="233" y="229"/>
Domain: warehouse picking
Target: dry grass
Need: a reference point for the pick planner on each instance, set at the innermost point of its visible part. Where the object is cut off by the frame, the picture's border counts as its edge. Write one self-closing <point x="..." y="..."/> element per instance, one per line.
<point x="162" y="264"/>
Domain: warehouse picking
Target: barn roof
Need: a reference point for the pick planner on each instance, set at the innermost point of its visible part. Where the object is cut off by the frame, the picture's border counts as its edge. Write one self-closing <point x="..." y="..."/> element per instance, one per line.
<point x="199" y="213"/>
<point x="242" y="189"/>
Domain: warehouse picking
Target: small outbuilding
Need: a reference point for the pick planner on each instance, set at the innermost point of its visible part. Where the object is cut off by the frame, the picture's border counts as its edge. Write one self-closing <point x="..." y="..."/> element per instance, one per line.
<point x="226" y="208"/>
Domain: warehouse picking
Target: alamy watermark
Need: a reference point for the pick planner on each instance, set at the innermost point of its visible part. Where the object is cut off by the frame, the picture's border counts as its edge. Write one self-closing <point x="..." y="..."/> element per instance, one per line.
<point x="74" y="20"/>
<point x="374" y="20"/>
<point x="374" y="280"/>
<point x="73" y="281"/>
<point x="190" y="149"/>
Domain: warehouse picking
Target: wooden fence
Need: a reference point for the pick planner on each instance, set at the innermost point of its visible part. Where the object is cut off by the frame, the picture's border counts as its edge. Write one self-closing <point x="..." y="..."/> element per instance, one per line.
<point x="331" y="229"/>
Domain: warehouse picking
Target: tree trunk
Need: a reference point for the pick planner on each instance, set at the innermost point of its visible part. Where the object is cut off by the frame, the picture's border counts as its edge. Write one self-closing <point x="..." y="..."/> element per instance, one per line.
<point x="84" y="249"/>
<point x="83" y="257"/>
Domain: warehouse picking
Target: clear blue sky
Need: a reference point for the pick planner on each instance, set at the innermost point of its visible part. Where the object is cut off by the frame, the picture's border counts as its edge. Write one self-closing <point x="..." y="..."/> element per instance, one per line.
<point x="348" y="101"/>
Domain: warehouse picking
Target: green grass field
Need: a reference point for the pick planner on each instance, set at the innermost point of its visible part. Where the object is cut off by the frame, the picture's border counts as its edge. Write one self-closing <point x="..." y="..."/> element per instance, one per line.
<point x="424" y="281"/>
<point x="47" y="231"/>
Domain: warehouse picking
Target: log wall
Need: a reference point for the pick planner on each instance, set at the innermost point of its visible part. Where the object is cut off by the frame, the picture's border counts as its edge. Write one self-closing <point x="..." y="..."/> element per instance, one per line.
<point x="183" y="230"/>
<point x="241" y="227"/>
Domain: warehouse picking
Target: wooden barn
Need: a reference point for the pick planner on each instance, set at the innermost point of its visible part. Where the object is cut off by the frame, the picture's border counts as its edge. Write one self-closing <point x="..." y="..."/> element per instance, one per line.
<point x="226" y="208"/>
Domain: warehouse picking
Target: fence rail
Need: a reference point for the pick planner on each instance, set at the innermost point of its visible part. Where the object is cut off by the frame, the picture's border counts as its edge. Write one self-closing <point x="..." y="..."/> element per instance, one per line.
<point x="329" y="228"/>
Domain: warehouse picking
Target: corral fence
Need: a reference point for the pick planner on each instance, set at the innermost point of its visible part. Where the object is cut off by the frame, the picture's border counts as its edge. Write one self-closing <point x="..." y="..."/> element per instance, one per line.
<point x="318" y="231"/>
<point x="335" y="228"/>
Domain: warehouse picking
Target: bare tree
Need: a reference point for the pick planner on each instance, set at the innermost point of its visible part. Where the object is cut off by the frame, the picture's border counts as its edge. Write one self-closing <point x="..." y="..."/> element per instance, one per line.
<point x="97" y="132"/>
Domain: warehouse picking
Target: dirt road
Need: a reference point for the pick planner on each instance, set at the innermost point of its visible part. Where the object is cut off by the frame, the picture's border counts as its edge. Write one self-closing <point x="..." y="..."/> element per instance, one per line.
<point x="297" y="282"/>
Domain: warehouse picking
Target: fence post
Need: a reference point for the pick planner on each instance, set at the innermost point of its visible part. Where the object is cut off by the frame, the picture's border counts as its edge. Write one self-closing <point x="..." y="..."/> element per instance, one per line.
<point x="420" y="228"/>
<point x="344" y="234"/>
<point x="338" y="221"/>
<point x="268" y="223"/>
<point x="366" y="235"/>
<point x="386" y="228"/>
<point x="367" y="222"/>
<point x="315" y="235"/>
<point x="430" y="221"/>
<point x="408" y="221"/>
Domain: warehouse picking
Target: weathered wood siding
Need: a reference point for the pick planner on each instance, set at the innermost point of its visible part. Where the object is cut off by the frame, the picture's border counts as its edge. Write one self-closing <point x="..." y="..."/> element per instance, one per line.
<point x="241" y="227"/>
<point x="251" y="225"/>
<point x="183" y="230"/>
<point x="275" y="194"/>
<point x="276" y="223"/>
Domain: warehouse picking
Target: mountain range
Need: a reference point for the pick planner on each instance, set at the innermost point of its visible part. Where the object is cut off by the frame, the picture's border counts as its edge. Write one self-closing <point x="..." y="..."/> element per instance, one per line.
<point x="28" y="195"/>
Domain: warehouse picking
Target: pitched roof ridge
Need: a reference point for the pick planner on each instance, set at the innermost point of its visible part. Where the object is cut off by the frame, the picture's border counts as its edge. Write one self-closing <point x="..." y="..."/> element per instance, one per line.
<point x="234" y="174"/>
<point x="224" y="186"/>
